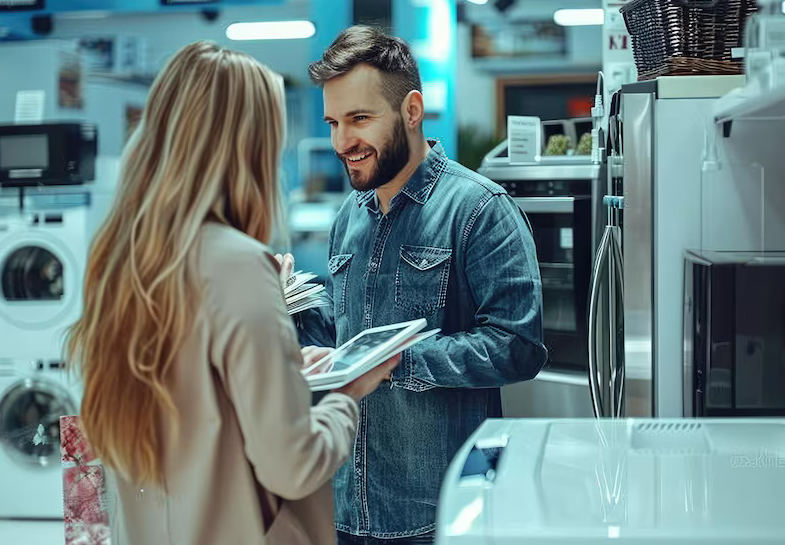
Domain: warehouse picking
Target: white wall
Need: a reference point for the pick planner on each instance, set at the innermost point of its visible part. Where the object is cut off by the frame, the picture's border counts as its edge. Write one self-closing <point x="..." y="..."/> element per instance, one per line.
<point x="31" y="66"/>
<point x="165" y="33"/>
<point x="584" y="43"/>
<point x="475" y="90"/>
<point x="476" y="80"/>
<point x="104" y="102"/>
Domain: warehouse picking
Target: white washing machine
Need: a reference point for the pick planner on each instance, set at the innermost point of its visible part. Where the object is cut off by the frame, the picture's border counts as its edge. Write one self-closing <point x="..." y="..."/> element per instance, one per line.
<point x="34" y="394"/>
<point x="43" y="253"/>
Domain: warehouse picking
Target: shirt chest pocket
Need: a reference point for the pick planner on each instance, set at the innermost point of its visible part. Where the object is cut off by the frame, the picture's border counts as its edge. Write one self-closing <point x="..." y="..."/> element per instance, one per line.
<point x="338" y="268"/>
<point x="421" y="279"/>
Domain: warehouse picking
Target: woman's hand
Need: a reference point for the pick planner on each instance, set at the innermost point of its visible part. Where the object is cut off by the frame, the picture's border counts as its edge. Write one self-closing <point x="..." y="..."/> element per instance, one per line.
<point x="367" y="383"/>
<point x="312" y="354"/>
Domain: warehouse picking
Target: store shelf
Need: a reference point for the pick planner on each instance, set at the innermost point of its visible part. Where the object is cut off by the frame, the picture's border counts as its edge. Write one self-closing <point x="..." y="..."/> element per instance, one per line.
<point x="742" y="105"/>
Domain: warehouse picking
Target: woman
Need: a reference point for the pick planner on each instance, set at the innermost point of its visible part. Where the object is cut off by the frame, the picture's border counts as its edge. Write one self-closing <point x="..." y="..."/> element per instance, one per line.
<point x="193" y="395"/>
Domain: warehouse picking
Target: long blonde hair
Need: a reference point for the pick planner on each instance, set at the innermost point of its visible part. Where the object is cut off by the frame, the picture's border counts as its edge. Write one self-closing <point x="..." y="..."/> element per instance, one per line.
<point x="208" y="147"/>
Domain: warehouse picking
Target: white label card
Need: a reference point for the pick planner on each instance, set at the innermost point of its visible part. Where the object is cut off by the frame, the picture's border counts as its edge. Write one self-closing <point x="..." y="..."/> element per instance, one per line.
<point x="29" y="107"/>
<point x="524" y="139"/>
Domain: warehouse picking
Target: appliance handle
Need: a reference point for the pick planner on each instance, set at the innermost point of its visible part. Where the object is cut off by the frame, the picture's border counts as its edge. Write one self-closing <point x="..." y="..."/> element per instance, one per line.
<point x="594" y="296"/>
<point x="621" y="367"/>
<point x="572" y="379"/>
<point x="546" y="205"/>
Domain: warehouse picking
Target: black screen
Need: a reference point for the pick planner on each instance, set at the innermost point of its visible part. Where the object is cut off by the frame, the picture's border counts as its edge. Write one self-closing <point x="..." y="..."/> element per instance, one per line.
<point x="24" y="151"/>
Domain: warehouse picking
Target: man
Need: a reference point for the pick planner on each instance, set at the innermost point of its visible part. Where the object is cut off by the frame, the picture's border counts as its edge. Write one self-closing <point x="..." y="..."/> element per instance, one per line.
<point x="421" y="236"/>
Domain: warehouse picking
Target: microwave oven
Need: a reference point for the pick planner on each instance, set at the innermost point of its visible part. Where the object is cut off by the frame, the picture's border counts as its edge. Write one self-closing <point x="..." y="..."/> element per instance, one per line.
<point x="47" y="154"/>
<point x="734" y="334"/>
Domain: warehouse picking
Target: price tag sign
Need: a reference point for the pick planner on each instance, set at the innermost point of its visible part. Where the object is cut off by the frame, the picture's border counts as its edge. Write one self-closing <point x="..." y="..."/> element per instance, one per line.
<point x="29" y="107"/>
<point x="524" y="139"/>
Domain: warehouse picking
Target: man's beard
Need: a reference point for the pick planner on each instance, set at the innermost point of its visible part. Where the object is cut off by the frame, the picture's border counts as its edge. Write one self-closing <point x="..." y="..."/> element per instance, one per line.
<point x="390" y="160"/>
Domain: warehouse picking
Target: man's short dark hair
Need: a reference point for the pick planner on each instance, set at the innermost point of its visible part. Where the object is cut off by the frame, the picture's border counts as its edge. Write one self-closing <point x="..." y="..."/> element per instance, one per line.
<point x="371" y="46"/>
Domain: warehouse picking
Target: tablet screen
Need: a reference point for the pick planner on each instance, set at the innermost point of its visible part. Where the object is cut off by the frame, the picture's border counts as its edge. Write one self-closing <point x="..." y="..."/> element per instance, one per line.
<point x="354" y="351"/>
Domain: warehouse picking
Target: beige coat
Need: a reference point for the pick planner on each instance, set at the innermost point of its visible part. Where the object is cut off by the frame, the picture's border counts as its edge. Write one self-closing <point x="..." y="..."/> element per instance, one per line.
<point x="249" y="434"/>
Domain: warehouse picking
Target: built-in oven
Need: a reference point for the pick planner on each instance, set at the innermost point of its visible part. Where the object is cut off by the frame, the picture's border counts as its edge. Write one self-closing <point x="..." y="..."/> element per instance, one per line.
<point x="561" y="199"/>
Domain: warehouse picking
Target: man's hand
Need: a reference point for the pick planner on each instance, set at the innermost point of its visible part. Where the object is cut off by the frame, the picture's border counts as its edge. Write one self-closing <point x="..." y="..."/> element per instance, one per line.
<point x="287" y="267"/>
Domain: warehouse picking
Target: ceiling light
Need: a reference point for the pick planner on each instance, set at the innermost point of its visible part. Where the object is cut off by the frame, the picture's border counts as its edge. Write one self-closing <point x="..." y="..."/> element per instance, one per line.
<point x="271" y="30"/>
<point x="478" y="1"/>
<point x="579" y="17"/>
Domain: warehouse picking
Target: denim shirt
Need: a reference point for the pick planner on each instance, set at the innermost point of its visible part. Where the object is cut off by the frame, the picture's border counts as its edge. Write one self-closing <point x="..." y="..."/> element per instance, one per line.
<point x="454" y="249"/>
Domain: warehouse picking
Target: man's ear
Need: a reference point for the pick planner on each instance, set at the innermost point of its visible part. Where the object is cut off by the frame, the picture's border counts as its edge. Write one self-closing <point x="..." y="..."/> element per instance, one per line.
<point x="413" y="109"/>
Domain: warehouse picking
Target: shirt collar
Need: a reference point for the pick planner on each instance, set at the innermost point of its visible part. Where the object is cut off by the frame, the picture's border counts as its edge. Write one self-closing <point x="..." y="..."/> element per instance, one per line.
<point x="421" y="183"/>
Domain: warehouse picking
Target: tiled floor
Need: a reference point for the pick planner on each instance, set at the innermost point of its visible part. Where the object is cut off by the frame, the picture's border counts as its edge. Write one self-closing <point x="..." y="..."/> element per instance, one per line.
<point x="31" y="533"/>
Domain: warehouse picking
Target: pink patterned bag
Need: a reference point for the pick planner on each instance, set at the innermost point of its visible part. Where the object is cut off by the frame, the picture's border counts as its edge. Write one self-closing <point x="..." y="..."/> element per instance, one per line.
<point x="84" y="488"/>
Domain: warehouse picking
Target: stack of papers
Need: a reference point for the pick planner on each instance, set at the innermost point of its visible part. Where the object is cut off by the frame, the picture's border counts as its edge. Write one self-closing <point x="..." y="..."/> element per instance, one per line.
<point x="303" y="295"/>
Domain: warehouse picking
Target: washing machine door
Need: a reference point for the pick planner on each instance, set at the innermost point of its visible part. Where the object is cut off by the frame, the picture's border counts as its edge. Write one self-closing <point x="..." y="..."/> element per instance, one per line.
<point x="38" y="279"/>
<point x="30" y="412"/>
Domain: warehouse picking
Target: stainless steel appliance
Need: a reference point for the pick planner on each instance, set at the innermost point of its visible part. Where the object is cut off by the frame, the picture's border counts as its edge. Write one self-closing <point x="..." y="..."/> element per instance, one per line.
<point x="560" y="198"/>
<point x="734" y="334"/>
<point x="49" y="154"/>
<point x="654" y="176"/>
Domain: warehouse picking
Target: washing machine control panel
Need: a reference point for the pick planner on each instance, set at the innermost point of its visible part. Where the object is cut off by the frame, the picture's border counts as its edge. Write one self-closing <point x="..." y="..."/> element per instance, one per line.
<point x="42" y="365"/>
<point x="15" y="368"/>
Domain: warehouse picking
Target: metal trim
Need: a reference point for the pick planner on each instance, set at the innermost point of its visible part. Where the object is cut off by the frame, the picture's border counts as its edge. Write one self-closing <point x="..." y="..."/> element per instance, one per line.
<point x="652" y="195"/>
<point x="558" y="377"/>
<point x="641" y="88"/>
<point x="546" y="205"/>
<point x="637" y="240"/>
<point x="508" y="172"/>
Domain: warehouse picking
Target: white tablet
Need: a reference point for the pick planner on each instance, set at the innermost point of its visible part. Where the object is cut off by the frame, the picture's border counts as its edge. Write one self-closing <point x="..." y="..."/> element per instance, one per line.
<point x="360" y="354"/>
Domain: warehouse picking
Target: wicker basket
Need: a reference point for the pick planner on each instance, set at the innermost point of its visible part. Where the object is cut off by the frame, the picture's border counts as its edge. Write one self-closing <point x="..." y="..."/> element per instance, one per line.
<point x="686" y="37"/>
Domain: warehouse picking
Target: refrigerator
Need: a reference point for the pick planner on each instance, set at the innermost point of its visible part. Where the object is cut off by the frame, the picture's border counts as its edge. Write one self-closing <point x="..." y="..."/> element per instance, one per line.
<point x="655" y="153"/>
